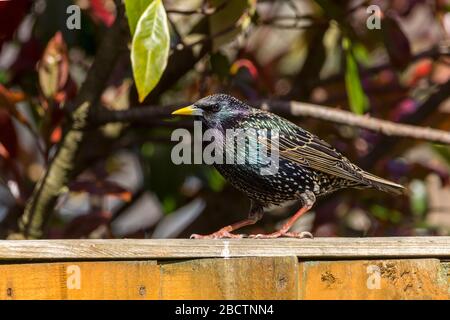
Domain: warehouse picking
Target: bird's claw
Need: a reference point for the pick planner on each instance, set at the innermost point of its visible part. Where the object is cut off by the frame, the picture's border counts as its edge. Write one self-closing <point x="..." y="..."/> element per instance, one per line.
<point x="218" y="235"/>
<point x="279" y="234"/>
<point x="299" y="235"/>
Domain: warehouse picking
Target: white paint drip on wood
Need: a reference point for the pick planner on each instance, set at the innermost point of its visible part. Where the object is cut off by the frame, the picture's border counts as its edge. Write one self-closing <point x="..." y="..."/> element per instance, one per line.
<point x="226" y="250"/>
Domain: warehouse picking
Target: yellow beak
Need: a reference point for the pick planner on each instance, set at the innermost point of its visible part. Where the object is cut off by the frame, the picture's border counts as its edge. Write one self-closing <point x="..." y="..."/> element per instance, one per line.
<point x="188" y="111"/>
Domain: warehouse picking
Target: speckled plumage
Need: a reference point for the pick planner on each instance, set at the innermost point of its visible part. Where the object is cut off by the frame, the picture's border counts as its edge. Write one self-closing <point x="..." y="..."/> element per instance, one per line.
<point x="308" y="166"/>
<point x="305" y="161"/>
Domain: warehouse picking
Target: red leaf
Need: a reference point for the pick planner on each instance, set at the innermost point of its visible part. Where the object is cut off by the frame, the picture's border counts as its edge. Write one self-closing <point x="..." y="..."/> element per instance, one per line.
<point x="103" y="10"/>
<point x="8" y="100"/>
<point x="421" y="70"/>
<point x="3" y="152"/>
<point x="10" y="97"/>
<point x="244" y="63"/>
<point x="56" y="135"/>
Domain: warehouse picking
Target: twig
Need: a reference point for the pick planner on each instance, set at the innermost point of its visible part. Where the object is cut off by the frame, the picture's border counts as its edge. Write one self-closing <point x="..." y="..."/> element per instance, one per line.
<point x="142" y="114"/>
<point x="426" y="109"/>
<point x="385" y="127"/>
<point x="138" y="114"/>
<point x="187" y="12"/>
<point x="203" y="10"/>
<point x="281" y="17"/>
<point x="293" y="6"/>
<point x="294" y="21"/>
<point x="177" y="33"/>
<point x="211" y="37"/>
<point x="294" y="26"/>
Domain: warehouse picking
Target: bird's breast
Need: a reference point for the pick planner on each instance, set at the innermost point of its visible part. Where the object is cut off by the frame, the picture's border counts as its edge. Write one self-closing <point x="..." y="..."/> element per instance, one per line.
<point x="287" y="184"/>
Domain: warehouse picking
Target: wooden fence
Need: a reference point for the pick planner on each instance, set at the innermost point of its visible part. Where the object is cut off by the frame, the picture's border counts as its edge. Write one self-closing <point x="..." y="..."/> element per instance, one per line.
<point x="321" y="268"/>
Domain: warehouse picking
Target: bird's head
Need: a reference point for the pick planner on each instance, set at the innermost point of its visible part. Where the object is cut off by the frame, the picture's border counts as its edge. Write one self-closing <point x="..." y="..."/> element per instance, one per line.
<point x="217" y="109"/>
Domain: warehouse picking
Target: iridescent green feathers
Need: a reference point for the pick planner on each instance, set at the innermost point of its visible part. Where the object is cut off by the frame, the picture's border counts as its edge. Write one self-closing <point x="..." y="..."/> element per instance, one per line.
<point x="306" y="162"/>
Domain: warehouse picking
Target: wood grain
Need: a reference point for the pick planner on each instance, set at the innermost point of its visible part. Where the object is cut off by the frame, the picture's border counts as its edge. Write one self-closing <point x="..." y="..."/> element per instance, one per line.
<point x="320" y="248"/>
<point x="80" y="280"/>
<point x="374" y="279"/>
<point x="233" y="278"/>
<point x="237" y="278"/>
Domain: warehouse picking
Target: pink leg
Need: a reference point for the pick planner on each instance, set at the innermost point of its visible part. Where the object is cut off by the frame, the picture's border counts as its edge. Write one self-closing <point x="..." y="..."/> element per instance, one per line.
<point x="225" y="232"/>
<point x="255" y="215"/>
<point x="309" y="200"/>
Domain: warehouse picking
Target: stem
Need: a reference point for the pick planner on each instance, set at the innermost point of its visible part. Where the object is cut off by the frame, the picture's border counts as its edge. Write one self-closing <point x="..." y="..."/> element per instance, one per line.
<point x="40" y="206"/>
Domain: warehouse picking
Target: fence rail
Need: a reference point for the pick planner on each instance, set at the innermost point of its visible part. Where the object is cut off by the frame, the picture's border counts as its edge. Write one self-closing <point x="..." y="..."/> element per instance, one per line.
<point x="320" y="248"/>
<point x="321" y="268"/>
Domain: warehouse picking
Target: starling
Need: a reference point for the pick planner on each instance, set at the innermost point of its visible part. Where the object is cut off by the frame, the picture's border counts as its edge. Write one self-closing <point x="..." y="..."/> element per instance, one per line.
<point x="308" y="167"/>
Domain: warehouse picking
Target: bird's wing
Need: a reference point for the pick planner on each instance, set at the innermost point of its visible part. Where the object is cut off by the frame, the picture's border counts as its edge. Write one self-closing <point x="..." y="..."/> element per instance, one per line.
<point x="316" y="154"/>
<point x="300" y="146"/>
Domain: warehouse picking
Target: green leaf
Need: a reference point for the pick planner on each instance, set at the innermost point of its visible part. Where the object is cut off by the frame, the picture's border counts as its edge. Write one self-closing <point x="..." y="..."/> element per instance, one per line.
<point x="386" y="214"/>
<point x="443" y="151"/>
<point x="150" y="48"/>
<point x="215" y="180"/>
<point x="357" y="98"/>
<point x="134" y="10"/>
<point x="361" y="54"/>
<point x="418" y="197"/>
<point x="3" y="76"/>
<point x="169" y="204"/>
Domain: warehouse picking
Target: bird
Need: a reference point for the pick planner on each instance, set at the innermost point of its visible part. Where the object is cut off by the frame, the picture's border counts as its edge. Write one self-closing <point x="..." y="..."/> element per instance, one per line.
<point x="308" y="167"/>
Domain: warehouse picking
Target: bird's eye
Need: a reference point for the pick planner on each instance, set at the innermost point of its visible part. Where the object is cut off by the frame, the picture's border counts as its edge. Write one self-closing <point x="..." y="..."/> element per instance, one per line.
<point x="212" y="108"/>
<point x="215" y="108"/>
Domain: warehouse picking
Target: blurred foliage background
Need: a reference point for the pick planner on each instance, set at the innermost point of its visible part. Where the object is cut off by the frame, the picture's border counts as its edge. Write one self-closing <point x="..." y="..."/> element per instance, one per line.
<point x="320" y="51"/>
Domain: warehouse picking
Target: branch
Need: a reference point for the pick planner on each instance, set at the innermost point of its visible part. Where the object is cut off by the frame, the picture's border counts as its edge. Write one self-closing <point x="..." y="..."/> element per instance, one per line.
<point x="137" y="114"/>
<point x="41" y="203"/>
<point x="426" y="109"/>
<point x="385" y="127"/>
<point x="203" y="10"/>
<point x="293" y="22"/>
<point x="149" y="114"/>
<point x="208" y="39"/>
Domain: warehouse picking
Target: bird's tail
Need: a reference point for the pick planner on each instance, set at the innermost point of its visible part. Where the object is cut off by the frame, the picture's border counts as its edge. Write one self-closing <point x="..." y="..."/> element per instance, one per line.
<point x="383" y="184"/>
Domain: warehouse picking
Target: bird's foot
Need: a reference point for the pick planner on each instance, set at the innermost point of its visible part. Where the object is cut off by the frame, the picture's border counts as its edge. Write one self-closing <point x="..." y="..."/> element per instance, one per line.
<point x="284" y="234"/>
<point x="299" y="235"/>
<point x="221" y="234"/>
